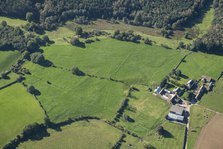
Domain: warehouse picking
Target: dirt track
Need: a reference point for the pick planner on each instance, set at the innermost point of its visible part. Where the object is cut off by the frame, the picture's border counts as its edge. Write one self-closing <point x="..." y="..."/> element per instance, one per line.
<point x="211" y="136"/>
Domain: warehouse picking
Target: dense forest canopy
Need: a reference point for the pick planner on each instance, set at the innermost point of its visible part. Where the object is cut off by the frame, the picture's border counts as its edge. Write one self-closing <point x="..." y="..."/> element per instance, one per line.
<point x="151" y="13"/>
<point x="212" y="42"/>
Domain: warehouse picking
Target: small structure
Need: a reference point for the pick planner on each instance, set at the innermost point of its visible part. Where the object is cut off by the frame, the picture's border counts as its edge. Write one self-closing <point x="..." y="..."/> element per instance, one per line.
<point x="190" y="84"/>
<point x="176" y="113"/>
<point x="157" y="90"/>
<point x="206" y="79"/>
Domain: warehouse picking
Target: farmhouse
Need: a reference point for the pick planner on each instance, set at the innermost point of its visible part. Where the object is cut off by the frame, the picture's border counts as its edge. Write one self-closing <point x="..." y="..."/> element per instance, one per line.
<point x="178" y="91"/>
<point x="190" y="84"/>
<point x="176" y="113"/>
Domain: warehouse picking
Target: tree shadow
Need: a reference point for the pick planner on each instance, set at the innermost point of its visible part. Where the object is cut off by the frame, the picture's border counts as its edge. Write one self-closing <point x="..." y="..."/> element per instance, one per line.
<point x="37" y="92"/>
<point x="184" y="76"/>
<point x="46" y="63"/>
<point x="167" y="134"/>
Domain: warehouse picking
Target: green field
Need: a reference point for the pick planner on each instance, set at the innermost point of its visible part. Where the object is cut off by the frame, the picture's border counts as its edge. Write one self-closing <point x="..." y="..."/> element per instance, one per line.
<point x="117" y="59"/>
<point x="12" y="77"/>
<point x="82" y="135"/>
<point x="198" y="119"/>
<point x="8" y="58"/>
<point x="70" y="96"/>
<point x="18" y="109"/>
<point x="198" y="64"/>
<point x="133" y="143"/>
<point x="13" y="21"/>
<point x="150" y="112"/>
<point x="174" y="139"/>
<point x="214" y="99"/>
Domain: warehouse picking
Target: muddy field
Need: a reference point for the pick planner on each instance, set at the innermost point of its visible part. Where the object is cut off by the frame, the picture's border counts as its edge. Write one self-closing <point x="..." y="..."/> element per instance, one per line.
<point x="211" y="135"/>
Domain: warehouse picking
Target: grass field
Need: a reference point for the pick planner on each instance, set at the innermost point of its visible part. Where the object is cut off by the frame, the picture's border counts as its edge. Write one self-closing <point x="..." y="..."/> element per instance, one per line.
<point x="150" y="112"/>
<point x="132" y="143"/>
<point x="198" y="64"/>
<point x="117" y="59"/>
<point x="198" y="119"/>
<point x="12" y="21"/>
<point x="211" y="135"/>
<point x="174" y="139"/>
<point x="18" y="109"/>
<point x="8" y="58"/>
<point x="70" y="96"/>
<point x="214" y="100"/>
<point x="82" y="135"/>
<point x="12" y="78"/>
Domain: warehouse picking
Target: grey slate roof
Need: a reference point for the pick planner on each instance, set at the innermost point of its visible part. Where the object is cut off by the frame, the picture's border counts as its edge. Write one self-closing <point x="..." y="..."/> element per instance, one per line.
<point x="177" y="109"/>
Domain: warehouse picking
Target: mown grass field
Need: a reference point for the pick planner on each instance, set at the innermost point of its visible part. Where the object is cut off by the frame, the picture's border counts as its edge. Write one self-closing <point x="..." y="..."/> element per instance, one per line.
<point x="214" y="99"/>
<point x="198" y="64"/>
<point x="174" y="139"/>
<point x="133" y="143"/>
<point x="18" y="109"/>
<point x="149" y="114"/>
<point x="199" y="117"/>
<point x="82" y="135"/>
<point x="8" y="58"/>
<point x="13" y="21"/>
<point x="69" y="96"/>
<point x="134" y="63"/>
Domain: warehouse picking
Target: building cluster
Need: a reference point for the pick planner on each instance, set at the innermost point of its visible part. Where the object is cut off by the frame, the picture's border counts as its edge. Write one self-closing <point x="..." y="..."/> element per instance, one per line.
<point x="178" y="110"/>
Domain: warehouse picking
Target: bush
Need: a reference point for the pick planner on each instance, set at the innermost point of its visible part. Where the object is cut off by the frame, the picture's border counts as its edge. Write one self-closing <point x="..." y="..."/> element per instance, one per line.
<point x="148" y="41"/>
<point x="77" y="71"/>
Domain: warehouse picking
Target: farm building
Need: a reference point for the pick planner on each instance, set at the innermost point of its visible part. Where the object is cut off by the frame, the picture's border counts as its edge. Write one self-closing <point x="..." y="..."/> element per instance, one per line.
<point x="178" y="91"/>
<point x="190" y="84"/>
<point x="176" y="113"/>
<point x="200" y="92"/>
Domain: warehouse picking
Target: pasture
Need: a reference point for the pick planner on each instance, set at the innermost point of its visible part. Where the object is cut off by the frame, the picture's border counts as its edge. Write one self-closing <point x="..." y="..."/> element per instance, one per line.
<point x="83" y="135"/>
<point x="13" y="21"/>
<point x="199" y="117"/>
<point x="198" y="64"/>
<point x="150" y="112"/>
<point x="173" y="139"/>
<point x="130" y="62"/>
<point x="64" y="95"/>
<point x="18" y="109"/>
<point x="8" y="58"/>
<point x="214" y="100"/>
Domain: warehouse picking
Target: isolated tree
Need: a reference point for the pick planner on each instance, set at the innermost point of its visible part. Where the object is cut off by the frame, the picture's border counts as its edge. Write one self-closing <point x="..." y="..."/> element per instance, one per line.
<point x="4" y="23"/>
<point x="29" y="16"/>
<point x="37" y="58"/>
<point x="148" y="41"/>
<point x="78" y="30"/>
<point x="32" y="46"/>
<point x="75" y="41"/>
<point x="178" y="73"/>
